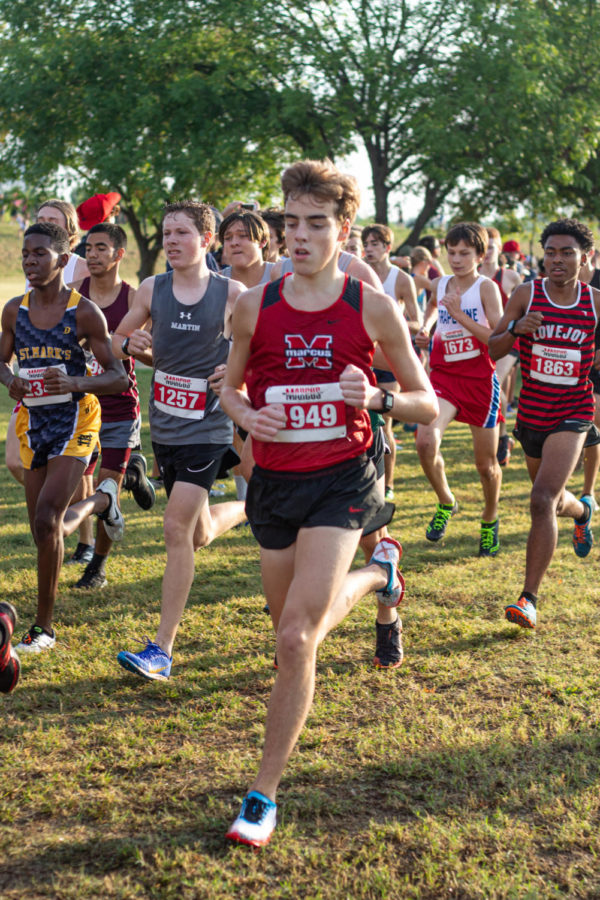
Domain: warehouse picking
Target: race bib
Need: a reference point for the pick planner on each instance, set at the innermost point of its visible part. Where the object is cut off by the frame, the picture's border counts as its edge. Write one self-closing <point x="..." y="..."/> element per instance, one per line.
<point x="459" y="344"/>
<point x="37" y="395"/>
<point x="557" y="365"/>
<point x="94" y="367"/>
<point x="314" y="412"/>
<point x="180" y="396"/>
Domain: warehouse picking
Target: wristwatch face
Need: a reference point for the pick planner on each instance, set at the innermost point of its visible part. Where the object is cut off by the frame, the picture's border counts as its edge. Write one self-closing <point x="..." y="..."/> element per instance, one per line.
<point x="388" y="401"/>
<point x="511" y="326"/>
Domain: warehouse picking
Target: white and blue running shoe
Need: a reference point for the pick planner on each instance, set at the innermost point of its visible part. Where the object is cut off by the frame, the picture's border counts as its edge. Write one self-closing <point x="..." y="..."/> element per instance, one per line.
<point x="152" y="662"/>
<point x="256" y="821"/>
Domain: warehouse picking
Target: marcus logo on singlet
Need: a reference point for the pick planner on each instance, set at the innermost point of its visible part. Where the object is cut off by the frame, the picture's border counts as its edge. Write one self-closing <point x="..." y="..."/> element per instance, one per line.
<point x="299" y="354"/>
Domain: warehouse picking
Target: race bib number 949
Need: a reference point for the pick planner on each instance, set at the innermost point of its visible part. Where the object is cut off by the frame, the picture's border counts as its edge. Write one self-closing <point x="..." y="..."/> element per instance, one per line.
<point x="315" y="412"/>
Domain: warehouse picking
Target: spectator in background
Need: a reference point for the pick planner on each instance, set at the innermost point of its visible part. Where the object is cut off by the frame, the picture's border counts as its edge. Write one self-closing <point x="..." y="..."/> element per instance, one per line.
<point x="276" y="224"/>
<point x="431" y="243"/>
<point x="95" y="210"/>
<point x="354" y="244"/>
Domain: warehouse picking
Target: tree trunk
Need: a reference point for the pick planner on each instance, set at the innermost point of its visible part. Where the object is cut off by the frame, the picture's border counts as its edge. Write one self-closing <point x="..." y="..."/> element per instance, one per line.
<point x="379" y="171"/>
<point x="149" y="246"/>
<point x="434" y="195"/>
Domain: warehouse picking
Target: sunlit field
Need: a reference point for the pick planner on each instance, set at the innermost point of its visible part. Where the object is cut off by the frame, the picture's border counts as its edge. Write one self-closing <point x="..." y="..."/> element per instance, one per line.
<point x="470" y="772"/>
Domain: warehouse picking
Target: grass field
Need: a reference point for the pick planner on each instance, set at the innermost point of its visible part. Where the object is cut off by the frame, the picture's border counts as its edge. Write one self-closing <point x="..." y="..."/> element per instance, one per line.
<point x="472" y="772"/>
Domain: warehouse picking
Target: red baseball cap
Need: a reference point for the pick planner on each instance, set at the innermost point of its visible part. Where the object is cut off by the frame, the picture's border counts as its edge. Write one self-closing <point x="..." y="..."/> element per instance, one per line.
<point x="511" y="247"/>
<point x="96" y="209"/>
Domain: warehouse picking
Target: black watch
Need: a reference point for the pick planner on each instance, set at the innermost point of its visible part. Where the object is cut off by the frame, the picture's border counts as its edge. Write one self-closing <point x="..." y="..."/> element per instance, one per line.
<point x="511" y="327"/>
<point x="125" y="347"/>
<point x="387" y="401"/>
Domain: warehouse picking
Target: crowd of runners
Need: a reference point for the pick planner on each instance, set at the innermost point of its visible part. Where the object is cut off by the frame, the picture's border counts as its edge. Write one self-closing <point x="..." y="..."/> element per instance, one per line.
<point x="284" y="344"/>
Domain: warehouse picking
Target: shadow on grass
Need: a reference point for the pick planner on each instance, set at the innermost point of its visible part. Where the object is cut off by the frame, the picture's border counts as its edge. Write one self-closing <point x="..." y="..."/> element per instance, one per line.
<point x="481" y="781"/>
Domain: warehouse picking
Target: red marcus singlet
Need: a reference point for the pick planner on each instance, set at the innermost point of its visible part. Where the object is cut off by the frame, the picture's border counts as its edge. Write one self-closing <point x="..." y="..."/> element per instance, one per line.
<point x="296" y="358"/>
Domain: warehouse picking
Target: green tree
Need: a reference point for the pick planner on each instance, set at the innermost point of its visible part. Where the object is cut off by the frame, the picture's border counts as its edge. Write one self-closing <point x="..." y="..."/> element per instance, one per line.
<point x="144" y="98"/>
<point x="473" y="97"/>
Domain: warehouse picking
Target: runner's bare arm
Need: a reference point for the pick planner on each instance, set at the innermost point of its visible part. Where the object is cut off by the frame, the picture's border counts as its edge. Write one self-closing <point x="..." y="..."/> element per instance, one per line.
<point x="429" y="319"/>
<point x="132" y="326"/>
<point x="386" y="326"/>
<point x="17" y="387"/>
<point x="235" y="289"/>
<point x="262" y="424"/>
<point x="406" y="291"/>
<point x="501" y="340"/>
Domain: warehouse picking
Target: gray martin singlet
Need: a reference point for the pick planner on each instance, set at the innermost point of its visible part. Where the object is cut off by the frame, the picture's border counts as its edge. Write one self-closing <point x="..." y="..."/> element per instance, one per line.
<point x="187" y="344"/>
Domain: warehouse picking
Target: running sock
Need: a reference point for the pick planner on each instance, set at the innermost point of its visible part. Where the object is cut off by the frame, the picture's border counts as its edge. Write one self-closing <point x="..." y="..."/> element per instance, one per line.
<point x="529" y="596"/>
<point x="490" y="524"/>
<point x="97" y="564"/>
<point x="241" y="486"/>
<point x="586" y="517"/>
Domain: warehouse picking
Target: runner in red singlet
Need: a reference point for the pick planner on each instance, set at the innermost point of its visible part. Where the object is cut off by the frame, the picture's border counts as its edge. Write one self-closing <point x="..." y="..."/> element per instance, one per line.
<point x="304" y="347"/>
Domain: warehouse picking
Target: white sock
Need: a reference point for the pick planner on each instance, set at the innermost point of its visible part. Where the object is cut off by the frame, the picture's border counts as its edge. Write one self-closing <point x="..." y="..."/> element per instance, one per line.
<point x="240" y="486"/>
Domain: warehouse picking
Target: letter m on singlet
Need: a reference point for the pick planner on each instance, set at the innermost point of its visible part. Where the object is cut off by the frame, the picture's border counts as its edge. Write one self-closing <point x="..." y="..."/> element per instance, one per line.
<point x="299" y="354"/>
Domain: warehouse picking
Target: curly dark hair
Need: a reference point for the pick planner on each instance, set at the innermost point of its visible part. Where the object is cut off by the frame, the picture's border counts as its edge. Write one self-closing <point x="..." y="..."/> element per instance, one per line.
<point x="582" y="234"/>
<point x="59" y="239"/>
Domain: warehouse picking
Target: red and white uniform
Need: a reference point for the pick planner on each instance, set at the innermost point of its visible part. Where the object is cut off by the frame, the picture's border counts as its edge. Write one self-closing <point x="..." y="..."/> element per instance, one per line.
<point x="296" y="358"/>
<point x="556" y="361"/>
<point x="455" y="349"/>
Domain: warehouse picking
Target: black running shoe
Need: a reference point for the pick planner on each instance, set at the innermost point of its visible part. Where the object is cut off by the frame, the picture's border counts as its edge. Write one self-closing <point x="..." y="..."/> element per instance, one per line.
<point x="141" y="488"/>
<point x="442" y="515"/>
<point x="83" y="555"/>
<point x="388" y="651"/>
<point x="10" y="664"/>
<point x="91" y="580"/>
<point x="489" y="543"/>
<point x="505" y="446"/>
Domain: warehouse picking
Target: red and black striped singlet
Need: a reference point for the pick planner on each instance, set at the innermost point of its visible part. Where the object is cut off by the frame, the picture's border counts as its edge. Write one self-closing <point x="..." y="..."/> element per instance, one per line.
<point x="556" y="361"/>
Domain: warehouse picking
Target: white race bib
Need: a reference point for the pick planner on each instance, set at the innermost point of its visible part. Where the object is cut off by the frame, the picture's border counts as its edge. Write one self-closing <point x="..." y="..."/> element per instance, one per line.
<point x="180" y="396"/>
<point x="37" y="395"/>
<point x="315" y="412"/>
<point x="459" y="344"/>
<point x="94" y="367"/>
<point x="557" y="365"/>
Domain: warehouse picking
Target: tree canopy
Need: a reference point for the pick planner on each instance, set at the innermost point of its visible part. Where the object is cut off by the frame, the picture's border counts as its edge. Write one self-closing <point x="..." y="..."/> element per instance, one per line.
<point x="493" y="102"/>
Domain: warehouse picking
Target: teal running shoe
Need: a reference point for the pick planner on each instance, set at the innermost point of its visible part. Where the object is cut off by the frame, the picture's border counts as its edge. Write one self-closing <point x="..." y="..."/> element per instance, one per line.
<point x="583" y="539"/>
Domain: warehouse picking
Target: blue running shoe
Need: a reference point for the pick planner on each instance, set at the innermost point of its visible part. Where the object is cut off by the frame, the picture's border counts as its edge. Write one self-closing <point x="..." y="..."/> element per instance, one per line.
<point x="522" y="612"/>
<point x="256" y="821"/>
<point x="152" y="662"/>
<point x="583" y="538"/>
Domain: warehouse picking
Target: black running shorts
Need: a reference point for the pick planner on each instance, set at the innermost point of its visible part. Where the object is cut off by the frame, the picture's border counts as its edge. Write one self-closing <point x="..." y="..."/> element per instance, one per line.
<point x="532" y="440"/>
<point x="279" y="504"/>
<point x="197" y="464"/>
